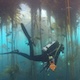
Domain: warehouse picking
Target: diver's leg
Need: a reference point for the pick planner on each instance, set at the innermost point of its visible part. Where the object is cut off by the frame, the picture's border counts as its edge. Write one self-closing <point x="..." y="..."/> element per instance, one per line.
<point x="29" y="39"/>
<point x="56" y="58"/>
<point x="17" y="52"/>
<point x="32" y="57"/>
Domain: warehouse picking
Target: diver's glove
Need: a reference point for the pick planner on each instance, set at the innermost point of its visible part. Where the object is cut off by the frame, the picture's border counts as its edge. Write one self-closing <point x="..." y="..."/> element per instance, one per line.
<point x="46" y="67"/>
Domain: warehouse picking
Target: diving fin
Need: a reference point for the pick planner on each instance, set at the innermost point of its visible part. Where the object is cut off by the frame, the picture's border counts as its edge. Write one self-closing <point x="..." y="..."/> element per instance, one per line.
<point x="25" y="32"/>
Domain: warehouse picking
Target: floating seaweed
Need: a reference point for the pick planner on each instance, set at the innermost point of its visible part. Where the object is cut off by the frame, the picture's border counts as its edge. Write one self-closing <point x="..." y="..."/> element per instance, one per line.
<point x="12" y="70"/>
<point x="38" y="38"/>
<point x="4" y="46"/>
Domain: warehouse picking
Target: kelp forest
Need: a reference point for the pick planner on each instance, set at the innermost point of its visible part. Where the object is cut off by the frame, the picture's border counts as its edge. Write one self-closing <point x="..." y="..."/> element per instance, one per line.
<point x="45" y="21"/>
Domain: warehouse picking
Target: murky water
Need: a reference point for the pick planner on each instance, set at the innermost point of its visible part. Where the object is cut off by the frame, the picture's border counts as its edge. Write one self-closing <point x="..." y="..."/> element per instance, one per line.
<point x="43" y="29"/>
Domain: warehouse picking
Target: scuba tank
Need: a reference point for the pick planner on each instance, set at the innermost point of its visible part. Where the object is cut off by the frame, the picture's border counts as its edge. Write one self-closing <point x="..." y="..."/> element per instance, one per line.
<point x="50" y="47"/>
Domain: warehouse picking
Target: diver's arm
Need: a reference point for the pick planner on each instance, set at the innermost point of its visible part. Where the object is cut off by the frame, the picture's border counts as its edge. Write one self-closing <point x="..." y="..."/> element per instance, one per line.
<point x="60" y="49"/>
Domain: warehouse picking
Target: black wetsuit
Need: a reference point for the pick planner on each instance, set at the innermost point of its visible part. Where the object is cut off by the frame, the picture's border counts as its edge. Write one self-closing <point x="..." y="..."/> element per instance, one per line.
<point x="44" y="57"/>
<point x="54" y="50"/>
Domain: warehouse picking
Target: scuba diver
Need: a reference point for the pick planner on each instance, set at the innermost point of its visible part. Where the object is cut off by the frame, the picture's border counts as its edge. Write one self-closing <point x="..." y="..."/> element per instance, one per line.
<point x="50" y="52"/>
